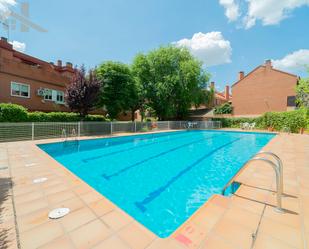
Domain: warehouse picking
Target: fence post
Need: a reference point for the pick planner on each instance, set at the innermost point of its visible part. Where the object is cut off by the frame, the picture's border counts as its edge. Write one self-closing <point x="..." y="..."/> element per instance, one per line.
<point x="168" y="125"/>
<point x="134" y="126"/>
<point x="78" y="129"/>
<point x="32" y="130"/>
<point x="111" y="127"/>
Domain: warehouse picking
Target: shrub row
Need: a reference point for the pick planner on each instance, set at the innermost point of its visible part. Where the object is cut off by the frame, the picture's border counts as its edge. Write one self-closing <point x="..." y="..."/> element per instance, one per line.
<point x="293" y="120"/>
<point x="17" y="113"/>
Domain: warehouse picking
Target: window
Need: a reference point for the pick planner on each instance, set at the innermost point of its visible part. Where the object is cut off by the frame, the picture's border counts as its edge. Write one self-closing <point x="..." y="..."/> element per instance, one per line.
<point x="53" y="95"/>
<point x="60" y="96"/>
<point x="291" y="101"/>
<point x="48" y="94"/>
<point x="20" y="90"/>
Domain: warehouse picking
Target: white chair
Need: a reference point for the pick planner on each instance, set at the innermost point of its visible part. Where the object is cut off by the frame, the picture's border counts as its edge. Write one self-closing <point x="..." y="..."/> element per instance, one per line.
<point x="252" y="126"/>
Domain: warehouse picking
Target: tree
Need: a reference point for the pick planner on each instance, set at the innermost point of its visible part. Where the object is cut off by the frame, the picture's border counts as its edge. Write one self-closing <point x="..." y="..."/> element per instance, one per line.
<point x="141" y="74"/>
<point x="302" y="92"/>
<point x="118" y="91"/>
<point x="171" y="79"/>
<point x="82" y="92"/>
<point x="225" y="108"/>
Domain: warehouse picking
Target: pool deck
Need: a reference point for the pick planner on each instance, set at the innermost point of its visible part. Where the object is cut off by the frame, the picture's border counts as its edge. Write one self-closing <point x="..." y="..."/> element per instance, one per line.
<point x="245" y="220"/>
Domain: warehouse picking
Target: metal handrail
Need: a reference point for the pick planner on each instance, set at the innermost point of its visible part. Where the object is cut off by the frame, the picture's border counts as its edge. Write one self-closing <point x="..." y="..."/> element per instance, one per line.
<point x="279" y="161"/>
<point x="278" y="180"/>
<point x="278" y="171"/>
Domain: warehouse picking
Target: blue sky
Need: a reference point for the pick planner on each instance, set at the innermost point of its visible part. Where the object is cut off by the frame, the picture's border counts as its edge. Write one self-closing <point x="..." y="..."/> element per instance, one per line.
<point x="234" y="35"/>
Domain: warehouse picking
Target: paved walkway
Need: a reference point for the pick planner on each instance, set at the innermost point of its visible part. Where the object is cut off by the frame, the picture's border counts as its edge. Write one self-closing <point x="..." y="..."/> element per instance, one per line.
<point x="246" y="220"/>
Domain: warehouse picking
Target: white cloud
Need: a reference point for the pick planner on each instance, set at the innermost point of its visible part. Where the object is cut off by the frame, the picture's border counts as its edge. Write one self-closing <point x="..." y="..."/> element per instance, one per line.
<point x="211" y="48"/>
<point x="5" y="8"/>
<point x="19" y="46"/>
<point x="270" y="12"/>
<point x="295" y="61"/>
<point x="231" y="9"/>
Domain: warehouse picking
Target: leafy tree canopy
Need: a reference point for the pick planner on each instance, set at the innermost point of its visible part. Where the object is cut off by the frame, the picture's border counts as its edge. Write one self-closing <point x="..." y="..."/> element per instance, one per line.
<point x="118" y="92"/>
<point x="171" y="80"/>
<point x="225" y="108"/>
<point x="302" y="92"/>
<point x="82" y="92"/>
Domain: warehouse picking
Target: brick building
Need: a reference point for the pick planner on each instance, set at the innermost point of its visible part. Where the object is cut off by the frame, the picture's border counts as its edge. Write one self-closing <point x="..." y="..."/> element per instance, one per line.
<point x="31" y="82"/>
<point x="262" y="90"/>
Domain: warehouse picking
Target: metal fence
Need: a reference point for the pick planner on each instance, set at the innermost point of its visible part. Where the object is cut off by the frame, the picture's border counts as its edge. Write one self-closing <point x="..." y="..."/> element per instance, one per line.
<point x="35" y="131"/>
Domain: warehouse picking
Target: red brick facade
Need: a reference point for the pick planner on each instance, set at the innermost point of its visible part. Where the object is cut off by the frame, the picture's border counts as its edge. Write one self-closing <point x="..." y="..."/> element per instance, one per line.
<point x="262" y="90"/>
<point x="30" y="82"/>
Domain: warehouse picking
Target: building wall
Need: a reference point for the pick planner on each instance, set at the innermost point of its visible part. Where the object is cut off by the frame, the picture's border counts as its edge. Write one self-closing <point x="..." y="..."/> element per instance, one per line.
<point x="21" y="68"/>
<point x="263" y="90"/>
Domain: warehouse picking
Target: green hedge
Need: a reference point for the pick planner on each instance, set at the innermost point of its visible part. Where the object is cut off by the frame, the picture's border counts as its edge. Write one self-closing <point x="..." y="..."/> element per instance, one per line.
<point x="293" y="120"/>
<point x="13" y="113"/>
<point x="17" y="113"/>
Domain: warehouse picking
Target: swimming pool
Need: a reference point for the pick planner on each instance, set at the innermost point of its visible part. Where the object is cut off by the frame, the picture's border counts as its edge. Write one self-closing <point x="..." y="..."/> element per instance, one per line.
<point x="159" y="179"/>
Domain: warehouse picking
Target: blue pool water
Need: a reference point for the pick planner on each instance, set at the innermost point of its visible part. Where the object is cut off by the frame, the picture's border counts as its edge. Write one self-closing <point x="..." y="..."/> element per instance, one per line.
<point x="159" y="179"/>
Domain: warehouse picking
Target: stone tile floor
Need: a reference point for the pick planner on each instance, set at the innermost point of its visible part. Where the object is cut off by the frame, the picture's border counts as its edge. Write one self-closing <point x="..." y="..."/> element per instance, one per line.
<point x="245" y="220"/>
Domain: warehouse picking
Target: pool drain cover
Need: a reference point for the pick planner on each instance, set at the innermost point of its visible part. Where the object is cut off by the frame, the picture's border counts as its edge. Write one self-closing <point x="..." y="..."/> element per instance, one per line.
<point x="40" y="180"/>
<point x="58" y="213"/>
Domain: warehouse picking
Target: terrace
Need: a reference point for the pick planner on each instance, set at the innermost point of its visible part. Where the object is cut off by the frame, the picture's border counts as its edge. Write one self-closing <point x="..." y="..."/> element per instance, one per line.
<point x="245" y="220"/>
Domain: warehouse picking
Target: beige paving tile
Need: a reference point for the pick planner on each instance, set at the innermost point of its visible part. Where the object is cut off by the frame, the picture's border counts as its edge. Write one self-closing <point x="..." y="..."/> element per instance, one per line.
<point x="136" y="236"/>
<point x="265" y="241"/>
<point x="90" y="234"/>
<point x="101" y="207"/>
<point x="251" y="206"/>
<point x="63" y="242"/>
<point x="116" y="220"/>
<point x="190" y="235"/>
<point x="55" y="189"/>
<point x="243" y="217"/>
<point x="234" y="233"/>
<point x="215" y="242"/>
<point x="112" y="242"/>
<point x="30" y="206"/>
<point x="77" y="218"/>
<point x="40" y="235"/>
<point x="288" y="218"/>
<point x="32" y="196"/>
<point x="91" y="197"/>
<point x="60" y="196"/>
<point x="166" y="244"/>
<point x="31" y="220"/>
<point x="73" y="204"/>
<point x="287" y="234"/>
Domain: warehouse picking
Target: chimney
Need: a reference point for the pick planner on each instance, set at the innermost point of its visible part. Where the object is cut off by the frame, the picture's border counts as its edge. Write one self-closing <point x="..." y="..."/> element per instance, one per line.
<point x="241" y="75"/>
<point x="212" y="85"/>
<point x="59" y="63"/>
<point x="69" y="65"/>
<point x="268" y="64"/>
<point x="227" y="92"/>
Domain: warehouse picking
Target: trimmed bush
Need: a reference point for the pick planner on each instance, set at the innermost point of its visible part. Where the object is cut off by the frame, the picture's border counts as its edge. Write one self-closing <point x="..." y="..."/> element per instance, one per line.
<point x="235" y="122"/>
<point x="61" y="117"/>
<point x="95" y="118"/>
<point x="12" y="113"/>
<point x="17" y="113"/>
<point x="53" y="117"/>
<point x="293" y="120"/>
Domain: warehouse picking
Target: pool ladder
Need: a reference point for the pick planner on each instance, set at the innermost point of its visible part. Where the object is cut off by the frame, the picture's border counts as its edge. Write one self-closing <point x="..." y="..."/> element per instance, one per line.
<point x="277" y="167"/>
<point x="65" y="136"/>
